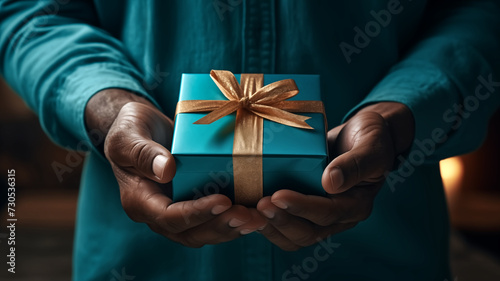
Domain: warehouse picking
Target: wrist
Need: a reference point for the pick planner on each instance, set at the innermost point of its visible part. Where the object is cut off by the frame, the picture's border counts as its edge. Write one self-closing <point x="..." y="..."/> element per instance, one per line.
<point x="400" y="121"/>
<point x="102" y="109"/>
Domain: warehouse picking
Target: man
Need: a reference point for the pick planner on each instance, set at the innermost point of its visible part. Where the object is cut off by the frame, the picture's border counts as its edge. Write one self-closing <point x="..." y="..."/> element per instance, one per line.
<point x="405" y="82"/>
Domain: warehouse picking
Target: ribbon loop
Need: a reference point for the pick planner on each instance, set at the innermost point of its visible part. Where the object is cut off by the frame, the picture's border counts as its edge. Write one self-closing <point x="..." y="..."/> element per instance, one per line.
<point x="281" y="116"/>
<point x="227" y="83"/>
<point x="258" y="101"/>
<point x="275" y="92"/>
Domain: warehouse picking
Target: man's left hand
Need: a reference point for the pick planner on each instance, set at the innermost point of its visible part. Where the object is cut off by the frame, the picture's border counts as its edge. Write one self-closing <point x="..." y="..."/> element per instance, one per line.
<point x="365" y="148"/>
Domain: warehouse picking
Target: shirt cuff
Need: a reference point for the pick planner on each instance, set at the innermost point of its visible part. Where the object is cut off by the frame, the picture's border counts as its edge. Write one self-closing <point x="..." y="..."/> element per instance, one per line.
<point x="77" y="89"/>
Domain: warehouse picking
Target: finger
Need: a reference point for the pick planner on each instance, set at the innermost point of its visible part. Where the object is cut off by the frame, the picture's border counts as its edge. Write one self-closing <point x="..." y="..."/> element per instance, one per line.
<point x="354" y="205"/>
<point x="369" y="153"/>
<point x="271" y="233"/>
<point x="238" y="218"/>
<point x="184" y="215"/>
<point x="163" y="165"/>
<point x="145" y="201"/>
<point x="228" y="226"/>
<point x="295" y="229"/>
<point x="146" y="158"/>
<point x="142" y="199"/>
<point x="257" y="222"/>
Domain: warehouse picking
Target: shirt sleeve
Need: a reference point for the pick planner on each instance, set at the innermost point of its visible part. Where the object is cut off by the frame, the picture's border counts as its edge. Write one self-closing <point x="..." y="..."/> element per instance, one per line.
<point x="53" y="54"/>
<point x="449" y="79"/>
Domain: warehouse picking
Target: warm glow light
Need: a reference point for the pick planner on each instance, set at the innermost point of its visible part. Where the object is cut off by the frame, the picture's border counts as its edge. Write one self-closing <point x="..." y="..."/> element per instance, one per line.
<point x="451" y="172"/>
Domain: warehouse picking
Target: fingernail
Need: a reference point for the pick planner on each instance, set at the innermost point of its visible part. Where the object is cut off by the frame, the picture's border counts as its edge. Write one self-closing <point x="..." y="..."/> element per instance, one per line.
<point x="159" y="164"/>
<point x="337" y="178"/>
<point x="268" y="213"/>
<point x="236" y="223"/>
<point x="245" y="231"/>
<point x="261" y="228"/>
<point x="219" y="209"/>
<point x="280" y="204"/>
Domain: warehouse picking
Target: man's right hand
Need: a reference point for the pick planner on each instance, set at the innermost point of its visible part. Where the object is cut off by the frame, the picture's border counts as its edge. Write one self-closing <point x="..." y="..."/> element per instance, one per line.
<point x="136" y="146"/>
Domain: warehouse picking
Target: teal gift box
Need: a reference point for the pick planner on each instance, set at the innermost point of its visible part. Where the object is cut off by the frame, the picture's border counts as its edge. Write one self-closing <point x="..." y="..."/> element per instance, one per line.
<point x="205" y="154"/>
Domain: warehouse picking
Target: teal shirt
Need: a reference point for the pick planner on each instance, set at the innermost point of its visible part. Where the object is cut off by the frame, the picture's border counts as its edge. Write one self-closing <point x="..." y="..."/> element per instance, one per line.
<point x="57" y="54"/>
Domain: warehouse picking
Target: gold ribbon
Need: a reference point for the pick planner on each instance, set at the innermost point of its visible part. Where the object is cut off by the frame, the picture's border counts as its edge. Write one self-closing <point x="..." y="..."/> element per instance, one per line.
<point x="252" y="103"/>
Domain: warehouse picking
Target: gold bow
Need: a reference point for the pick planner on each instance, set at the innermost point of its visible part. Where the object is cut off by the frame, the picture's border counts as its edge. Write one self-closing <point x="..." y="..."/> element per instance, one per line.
<point x="252" y="102"/>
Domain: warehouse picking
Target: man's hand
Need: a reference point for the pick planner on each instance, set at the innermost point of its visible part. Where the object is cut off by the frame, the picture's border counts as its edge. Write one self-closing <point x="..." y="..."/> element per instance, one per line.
<point x="365" y="148"/>
<point x="137" y="138"/>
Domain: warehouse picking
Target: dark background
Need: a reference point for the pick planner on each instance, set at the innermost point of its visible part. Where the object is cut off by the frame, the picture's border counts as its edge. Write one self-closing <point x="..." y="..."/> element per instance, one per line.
<point x="46" y="204"/>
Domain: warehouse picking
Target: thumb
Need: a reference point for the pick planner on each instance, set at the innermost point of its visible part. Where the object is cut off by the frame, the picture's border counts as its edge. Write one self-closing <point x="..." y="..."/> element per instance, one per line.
<point x="143" y="157"/>
<point x="344" y="172"/>
<point x="367" y="153"/>
<point x="154" y="161"/>
<point x="130" y="145"/>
